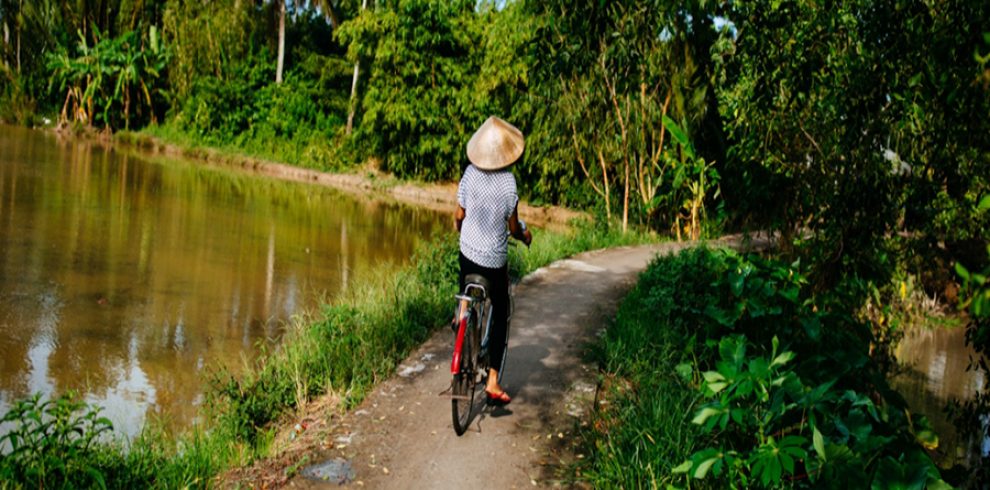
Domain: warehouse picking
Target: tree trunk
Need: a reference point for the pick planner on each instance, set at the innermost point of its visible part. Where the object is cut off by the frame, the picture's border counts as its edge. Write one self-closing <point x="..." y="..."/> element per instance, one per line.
<point x="695" y="229"/>
<point x="330" y="14"/>
<point x="608" y="205"/>
<point x="625" y="200"/>
<point x="352" y="104"/>
<point x="127" y="108"/>
<point x="17" y="23"/>
<point x="281" y="41"/>
<point x="353" y="101"/>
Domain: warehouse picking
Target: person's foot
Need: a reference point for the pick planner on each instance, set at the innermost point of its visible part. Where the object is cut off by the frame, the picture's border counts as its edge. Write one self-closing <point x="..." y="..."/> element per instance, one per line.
<point x="497" y="396"/>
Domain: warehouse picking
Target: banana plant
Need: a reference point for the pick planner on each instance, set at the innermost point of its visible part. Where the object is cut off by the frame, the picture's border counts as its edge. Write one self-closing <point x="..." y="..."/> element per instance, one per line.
<point x="694" y="179"/>
<point x="104" y="76"/>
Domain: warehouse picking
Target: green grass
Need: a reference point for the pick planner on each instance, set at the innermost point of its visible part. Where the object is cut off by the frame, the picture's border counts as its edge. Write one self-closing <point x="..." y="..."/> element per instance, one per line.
<point x="345" y="349"/>
<point x="310" y="150"/>
<point x="642" y="432"/>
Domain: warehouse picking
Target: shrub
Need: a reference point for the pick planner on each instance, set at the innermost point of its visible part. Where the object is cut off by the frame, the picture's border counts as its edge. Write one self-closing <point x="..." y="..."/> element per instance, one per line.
<point x="53" y="443"/>
<point x="778" y="382"/>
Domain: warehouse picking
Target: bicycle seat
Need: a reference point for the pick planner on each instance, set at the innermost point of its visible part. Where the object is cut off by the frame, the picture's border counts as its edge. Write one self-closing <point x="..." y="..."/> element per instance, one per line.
<point x="476" y="279"/>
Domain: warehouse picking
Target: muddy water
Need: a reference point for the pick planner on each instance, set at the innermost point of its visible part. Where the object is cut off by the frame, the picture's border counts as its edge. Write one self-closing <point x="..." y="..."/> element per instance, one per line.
<point x="127" y="278"/>
<point x="935" y="361"/>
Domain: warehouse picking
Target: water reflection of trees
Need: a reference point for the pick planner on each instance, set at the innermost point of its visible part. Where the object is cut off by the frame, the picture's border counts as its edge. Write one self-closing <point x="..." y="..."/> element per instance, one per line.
<point x="162" y="269"/>
<point x="934" y="364"/>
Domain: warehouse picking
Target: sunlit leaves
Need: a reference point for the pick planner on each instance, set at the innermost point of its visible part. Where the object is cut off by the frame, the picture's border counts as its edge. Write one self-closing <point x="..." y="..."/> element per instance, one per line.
<point x="819" y="444"/>
<point x="976" y="289"/>
<point x="418" y="107"/>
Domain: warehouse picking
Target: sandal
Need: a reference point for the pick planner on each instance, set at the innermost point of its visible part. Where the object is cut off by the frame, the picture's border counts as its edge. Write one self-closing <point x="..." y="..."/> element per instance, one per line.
<point x="501" y="398"/>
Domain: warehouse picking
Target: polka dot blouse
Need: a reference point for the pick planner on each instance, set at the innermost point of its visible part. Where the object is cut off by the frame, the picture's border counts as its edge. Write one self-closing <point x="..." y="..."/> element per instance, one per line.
<point x="488" y="199"/>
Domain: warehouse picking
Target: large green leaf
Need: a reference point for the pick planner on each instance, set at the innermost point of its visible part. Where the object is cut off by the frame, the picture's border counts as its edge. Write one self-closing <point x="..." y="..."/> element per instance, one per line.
<point x="819" y="443"/>
<point x="704" y="414"/>
<point x="895" y="475"/>
<point x="961" y="271"/>
<point x="679" y="135"/>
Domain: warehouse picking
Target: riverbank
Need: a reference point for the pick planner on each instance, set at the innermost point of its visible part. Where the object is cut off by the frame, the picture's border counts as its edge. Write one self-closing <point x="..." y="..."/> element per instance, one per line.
<point x="368" y="181"/>
<point x="363" y="182"/>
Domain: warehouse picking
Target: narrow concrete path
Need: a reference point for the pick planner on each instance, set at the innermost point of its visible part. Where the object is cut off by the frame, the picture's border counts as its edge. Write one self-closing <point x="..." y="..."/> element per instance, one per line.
<point x="402" y="437"/>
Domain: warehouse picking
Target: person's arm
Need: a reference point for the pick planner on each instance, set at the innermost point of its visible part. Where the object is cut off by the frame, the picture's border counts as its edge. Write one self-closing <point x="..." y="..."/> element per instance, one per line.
<point x="460" y="212"/>
<point x="518" y="229"/>
<point x="459" y="217"/>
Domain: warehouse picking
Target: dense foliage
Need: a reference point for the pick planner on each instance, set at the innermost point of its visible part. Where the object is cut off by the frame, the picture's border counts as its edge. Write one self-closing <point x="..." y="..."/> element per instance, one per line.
<point x="630" y="84"/>
<point x="854" y="133"/>
<point x="781" y="390"/>
<point x="840" y="124"/>
<point x="110" y="80"/>
<point x="419" y="104"/>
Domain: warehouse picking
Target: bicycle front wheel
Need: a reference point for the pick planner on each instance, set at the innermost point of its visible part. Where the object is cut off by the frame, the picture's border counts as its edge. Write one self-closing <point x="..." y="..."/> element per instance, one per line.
<point x="464" y="384"/>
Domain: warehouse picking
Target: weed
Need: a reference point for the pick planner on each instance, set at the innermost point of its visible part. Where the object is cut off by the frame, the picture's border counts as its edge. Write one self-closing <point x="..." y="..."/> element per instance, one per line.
<point x="53" y="443"/>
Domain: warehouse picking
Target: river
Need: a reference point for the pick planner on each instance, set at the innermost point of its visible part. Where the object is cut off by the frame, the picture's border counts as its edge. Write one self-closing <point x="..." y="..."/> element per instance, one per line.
<point x="128" y="277"/>
<point x="935" y="363"/>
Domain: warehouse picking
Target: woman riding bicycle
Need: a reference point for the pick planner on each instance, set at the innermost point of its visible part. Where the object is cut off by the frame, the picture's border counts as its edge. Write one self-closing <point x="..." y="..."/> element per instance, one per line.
<point x="486" y="213"/>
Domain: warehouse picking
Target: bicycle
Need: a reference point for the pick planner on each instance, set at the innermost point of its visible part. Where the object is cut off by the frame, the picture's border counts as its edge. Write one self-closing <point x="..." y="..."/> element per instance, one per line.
<point x="470" y="363"/>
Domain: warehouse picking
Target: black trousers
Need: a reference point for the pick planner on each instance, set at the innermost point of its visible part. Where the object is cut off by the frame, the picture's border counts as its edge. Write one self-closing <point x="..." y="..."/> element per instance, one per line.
<point x="499" y="294"/>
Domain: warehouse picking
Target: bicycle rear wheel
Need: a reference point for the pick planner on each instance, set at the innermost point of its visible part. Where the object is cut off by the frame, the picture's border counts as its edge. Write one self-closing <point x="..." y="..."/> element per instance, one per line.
<point x="464" y="384"/>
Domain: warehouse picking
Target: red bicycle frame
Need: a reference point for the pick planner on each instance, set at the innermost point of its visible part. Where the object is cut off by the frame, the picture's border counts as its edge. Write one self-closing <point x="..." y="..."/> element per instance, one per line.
<point x="455" y="364"/>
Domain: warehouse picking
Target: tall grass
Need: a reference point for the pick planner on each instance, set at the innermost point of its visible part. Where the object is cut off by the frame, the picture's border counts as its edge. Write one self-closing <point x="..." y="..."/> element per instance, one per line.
<point x="61" y="443"/>
<point x="640" y="432"/>
<point x="345" y="349"/>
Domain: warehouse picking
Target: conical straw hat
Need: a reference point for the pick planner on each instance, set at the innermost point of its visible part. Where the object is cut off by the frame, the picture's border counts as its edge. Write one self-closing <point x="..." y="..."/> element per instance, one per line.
<point x="495" y="145"/>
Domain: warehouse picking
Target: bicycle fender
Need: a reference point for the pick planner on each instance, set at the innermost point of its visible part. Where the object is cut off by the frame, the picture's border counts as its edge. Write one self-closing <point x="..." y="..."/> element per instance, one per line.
<point x="455" y="364"/>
